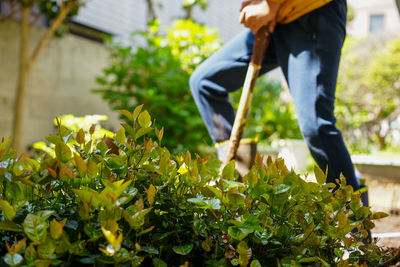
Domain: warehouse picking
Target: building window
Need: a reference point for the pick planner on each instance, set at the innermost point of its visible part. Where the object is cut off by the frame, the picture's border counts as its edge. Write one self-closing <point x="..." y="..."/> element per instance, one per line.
<point x="376" y="23"/>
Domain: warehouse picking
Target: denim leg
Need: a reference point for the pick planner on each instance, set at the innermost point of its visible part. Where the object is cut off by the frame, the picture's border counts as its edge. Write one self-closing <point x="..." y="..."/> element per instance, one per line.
<point x="308" y="51"/>
<point x="220" y="74"/>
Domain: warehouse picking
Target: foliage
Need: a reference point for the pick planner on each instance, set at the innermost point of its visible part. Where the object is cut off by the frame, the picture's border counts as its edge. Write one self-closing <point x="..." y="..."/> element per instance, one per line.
<point x="157" y="75"/>
<point x="368" y="92"/>
<point x="132" y="203"/>
<point x="269" y="115"/>
<point x="90" y="125"/>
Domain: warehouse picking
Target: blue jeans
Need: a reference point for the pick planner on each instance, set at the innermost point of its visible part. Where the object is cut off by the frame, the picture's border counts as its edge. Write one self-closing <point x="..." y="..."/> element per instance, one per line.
<point x="308" y="50"/>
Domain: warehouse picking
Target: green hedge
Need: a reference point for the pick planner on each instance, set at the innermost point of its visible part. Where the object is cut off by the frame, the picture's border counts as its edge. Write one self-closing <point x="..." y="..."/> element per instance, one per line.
<point x="128" y="201"/>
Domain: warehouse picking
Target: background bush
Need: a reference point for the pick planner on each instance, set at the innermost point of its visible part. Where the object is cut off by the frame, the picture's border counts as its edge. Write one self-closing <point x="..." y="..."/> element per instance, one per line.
<point x="368" y="94"/>
<point x="156" y="73"/>
<point x="130" y="202"/>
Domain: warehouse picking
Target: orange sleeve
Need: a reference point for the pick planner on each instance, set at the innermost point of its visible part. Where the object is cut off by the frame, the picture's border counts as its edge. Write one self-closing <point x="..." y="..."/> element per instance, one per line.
<point x="277" y="1"/>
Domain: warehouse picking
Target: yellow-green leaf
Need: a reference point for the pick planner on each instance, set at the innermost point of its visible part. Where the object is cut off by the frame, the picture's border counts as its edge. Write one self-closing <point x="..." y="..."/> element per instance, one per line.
<point x="379" y="215"/>
<point x="56" y="228"/>
<point x="9" y="226"/>
<point x="63" y="152"/>
<point x="110" y="225"/>
<point x="319" y="175"/>
<point x="255" y="263"/>
<point x="112" y="239"/>
<point x="144" y="119"/>
<point x="80" y="137"/>
<point x="8" y="210"/>
<point x="151" y="192"/>
<point x="92" y="169"/>
<point x="136" y="112"/>
<point x="160" y="133"/>
<point x="126" y="113"/>
<point x="120" y="136"/>
<point x="80" y="164"/>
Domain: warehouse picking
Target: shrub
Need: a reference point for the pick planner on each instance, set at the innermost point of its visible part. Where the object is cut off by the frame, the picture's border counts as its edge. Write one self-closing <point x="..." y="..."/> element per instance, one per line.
<point x="131" y="202"/>
<point x="368" y="93"/>
<point x="157" y="74"/>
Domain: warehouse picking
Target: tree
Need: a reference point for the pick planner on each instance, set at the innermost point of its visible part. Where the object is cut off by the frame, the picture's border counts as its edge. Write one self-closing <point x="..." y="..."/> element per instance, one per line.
<point x="187" y="6"/>
<point x="30" y="11"/>
<point x="398" y="5"/>
<point x="368" y="94"/>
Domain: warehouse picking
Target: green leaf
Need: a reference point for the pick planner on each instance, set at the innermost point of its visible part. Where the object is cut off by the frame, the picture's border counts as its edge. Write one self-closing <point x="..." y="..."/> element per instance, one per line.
<point x="46" y="249"/>
<point x="216" y="191"/>
<point x="319" y="175"/>
<point x="5" y="145"/>
<point x="150" y="250"/>
<point x="126" y="113"/>
<point x="237" y="233"/>
<point x="183" y="250"/>
<point x="63" y="152"/>
<point x="13" y="260"/>
<point x="142" y="131"/>
<point x="80" y="164"/>
<point x="229" y="171"/>
<point x="144" y="119"/>
<point x="7" y="209"/>
<point x="9" y="226"/>
<point x="379" y="215"/>
<point x="54" y="139"/>
<point x="120" y="136"/>
<point x="80" y="137"/>
<point x="45" y="214"/>
<point x="255" y="263"/>
<point x="92" y="170"/>
<point x="35" y="227"/>
<point x="128" y="129"/>
<point x="136" y="112"/>
<point x="157" y="262"/>
<point x="281" y="188"/>
<point x="30" y="253"/>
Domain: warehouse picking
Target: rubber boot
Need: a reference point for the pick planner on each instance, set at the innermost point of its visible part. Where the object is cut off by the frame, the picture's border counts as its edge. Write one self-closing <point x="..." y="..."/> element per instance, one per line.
<point x="245" y="155"/>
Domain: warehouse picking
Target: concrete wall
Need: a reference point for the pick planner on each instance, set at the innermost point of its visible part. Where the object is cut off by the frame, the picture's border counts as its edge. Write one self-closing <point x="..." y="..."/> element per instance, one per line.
<point x="129" y="15"/>
<point x="363" y="11"/>
<point x="59" y="83"/>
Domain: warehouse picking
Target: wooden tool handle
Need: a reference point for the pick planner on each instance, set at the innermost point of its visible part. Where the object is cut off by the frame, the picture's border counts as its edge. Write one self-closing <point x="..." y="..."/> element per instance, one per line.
<point x="260" y="44"/>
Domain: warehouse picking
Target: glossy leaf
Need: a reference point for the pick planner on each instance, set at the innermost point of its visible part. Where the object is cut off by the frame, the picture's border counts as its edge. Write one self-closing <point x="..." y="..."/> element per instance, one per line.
<point x="319" y="175"/>
<point x="63" y="152"/>
<point x="35" y="227"/>
<point x="7" y="209"/>
<point x="183" y="250"/>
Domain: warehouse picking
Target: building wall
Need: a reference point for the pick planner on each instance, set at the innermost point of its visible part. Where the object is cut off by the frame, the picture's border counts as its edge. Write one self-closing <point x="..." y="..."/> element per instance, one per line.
<point x="60" y="82"/>
<point x="129" y="15"/>
<point x="363" y="11"/>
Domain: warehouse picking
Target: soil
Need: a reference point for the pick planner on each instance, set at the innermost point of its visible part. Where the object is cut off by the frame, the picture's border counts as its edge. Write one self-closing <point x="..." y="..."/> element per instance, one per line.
<point x="384" y="196"/>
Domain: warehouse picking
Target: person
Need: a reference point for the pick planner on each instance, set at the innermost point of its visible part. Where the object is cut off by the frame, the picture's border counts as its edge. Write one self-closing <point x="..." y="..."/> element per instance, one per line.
<point x="306" y="44"/>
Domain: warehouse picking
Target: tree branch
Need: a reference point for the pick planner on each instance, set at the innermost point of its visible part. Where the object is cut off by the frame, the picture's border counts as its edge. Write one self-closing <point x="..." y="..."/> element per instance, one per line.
<point x="64" y="10"/>
<point x="150" y="10"/>
<point x="13" y="10"/>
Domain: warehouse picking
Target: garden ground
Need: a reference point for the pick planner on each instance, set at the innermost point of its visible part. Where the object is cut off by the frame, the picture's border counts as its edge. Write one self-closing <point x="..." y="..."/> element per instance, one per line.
<point x="385" y="196"/>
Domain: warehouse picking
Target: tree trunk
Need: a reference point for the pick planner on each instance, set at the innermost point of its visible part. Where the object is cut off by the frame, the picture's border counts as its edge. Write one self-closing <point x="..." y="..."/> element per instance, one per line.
<point x="189" y="12"/>
<point x="398" y="5"/>
<point x="22" y="78"/>
<point x="27" y="63"/>
<point x="151" y="13"/>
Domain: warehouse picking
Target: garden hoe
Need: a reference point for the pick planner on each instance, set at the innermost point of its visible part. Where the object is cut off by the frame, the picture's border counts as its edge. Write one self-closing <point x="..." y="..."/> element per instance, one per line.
<point x="261" y="43"/>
